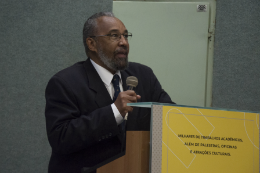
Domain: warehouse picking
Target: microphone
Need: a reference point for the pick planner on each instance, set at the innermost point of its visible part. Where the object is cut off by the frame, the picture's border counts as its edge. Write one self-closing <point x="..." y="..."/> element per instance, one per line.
<point x="131" y="82"/>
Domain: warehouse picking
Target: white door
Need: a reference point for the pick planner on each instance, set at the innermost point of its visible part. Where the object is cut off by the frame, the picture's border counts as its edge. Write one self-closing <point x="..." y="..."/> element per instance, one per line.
<point x="172" y="39"/>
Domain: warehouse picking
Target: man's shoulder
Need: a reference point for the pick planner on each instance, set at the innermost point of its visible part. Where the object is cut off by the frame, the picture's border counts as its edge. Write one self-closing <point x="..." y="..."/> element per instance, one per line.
<point x="134" y="66"/>
<point x="71" y="77"/>
<point x="72" y="71"/>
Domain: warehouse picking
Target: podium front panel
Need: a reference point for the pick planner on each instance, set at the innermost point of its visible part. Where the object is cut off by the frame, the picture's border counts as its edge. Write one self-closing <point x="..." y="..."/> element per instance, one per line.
<point x="193" y="139"/>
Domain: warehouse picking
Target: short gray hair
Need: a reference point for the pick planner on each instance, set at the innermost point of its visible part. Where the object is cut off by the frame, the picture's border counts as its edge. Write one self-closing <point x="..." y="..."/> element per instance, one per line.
<point x="90" y="26"/>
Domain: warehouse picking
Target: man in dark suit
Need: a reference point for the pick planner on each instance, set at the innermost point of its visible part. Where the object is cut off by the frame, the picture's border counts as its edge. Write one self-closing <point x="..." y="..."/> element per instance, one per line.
<point x="84" y="111"/>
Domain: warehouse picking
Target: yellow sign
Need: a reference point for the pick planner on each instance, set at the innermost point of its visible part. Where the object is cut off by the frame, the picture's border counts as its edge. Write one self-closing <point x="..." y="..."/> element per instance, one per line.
<point x="197" y="140"/>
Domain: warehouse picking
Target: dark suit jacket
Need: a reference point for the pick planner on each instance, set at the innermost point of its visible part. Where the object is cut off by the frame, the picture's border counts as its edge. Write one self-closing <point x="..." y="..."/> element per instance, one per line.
<point x="81" y="127"/>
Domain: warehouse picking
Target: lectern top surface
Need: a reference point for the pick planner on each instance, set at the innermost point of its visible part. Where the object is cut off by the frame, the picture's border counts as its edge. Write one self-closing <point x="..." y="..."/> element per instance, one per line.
<point x="150" y="104"/>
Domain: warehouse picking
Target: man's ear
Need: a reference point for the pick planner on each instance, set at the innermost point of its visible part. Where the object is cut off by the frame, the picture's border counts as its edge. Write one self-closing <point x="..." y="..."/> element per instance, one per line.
<point x="91" y="44"/>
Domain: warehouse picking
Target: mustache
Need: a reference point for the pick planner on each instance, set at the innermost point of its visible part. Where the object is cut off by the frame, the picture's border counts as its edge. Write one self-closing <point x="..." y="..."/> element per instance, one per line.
<point x="121" y="50"/>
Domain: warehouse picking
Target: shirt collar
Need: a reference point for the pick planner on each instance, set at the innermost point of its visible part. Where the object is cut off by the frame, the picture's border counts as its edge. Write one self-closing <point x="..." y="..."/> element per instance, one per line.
<point x="104" y="74"/>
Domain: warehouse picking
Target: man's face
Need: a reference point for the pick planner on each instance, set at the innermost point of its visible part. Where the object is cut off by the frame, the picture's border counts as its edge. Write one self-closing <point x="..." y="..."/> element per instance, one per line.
<point x="112" y="53"/>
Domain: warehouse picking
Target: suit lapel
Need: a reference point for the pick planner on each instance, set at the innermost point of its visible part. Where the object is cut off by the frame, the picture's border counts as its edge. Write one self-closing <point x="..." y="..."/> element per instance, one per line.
<point x="96" y="84"/>
<point x="124" y="75"/>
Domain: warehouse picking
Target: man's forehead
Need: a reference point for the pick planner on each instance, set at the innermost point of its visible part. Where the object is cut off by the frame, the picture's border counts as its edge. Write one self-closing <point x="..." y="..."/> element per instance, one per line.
<point x="106" y="24"/>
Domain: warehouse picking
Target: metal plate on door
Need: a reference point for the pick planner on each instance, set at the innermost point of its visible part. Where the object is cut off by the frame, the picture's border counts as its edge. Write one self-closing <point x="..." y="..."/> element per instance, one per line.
<point x="201" y="8"/>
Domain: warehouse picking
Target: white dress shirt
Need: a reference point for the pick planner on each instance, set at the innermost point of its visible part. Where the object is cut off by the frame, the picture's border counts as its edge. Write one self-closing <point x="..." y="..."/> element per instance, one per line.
<point x="107" y="77"/>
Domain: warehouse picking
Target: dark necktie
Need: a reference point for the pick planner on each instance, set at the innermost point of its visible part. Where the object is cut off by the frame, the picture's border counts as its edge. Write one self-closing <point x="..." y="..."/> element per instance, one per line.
<point x="115" y="82"/>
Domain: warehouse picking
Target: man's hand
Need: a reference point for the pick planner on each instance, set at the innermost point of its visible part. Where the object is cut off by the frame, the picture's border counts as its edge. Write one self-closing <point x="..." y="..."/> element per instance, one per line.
<point x="123" y="98"/>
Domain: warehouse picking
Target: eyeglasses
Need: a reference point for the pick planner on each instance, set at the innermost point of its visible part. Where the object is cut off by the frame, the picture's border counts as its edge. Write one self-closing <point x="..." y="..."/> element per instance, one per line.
<point x="116" y="36"/>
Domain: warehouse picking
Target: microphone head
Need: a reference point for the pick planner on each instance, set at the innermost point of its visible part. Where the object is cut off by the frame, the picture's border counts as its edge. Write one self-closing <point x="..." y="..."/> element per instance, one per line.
<point x="131" y="81"/>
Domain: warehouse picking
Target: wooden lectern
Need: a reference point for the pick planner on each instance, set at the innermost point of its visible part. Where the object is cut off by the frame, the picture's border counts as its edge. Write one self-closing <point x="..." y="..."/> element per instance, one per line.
<point x="136" y="158"/>
<point x="192" y="140"/>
